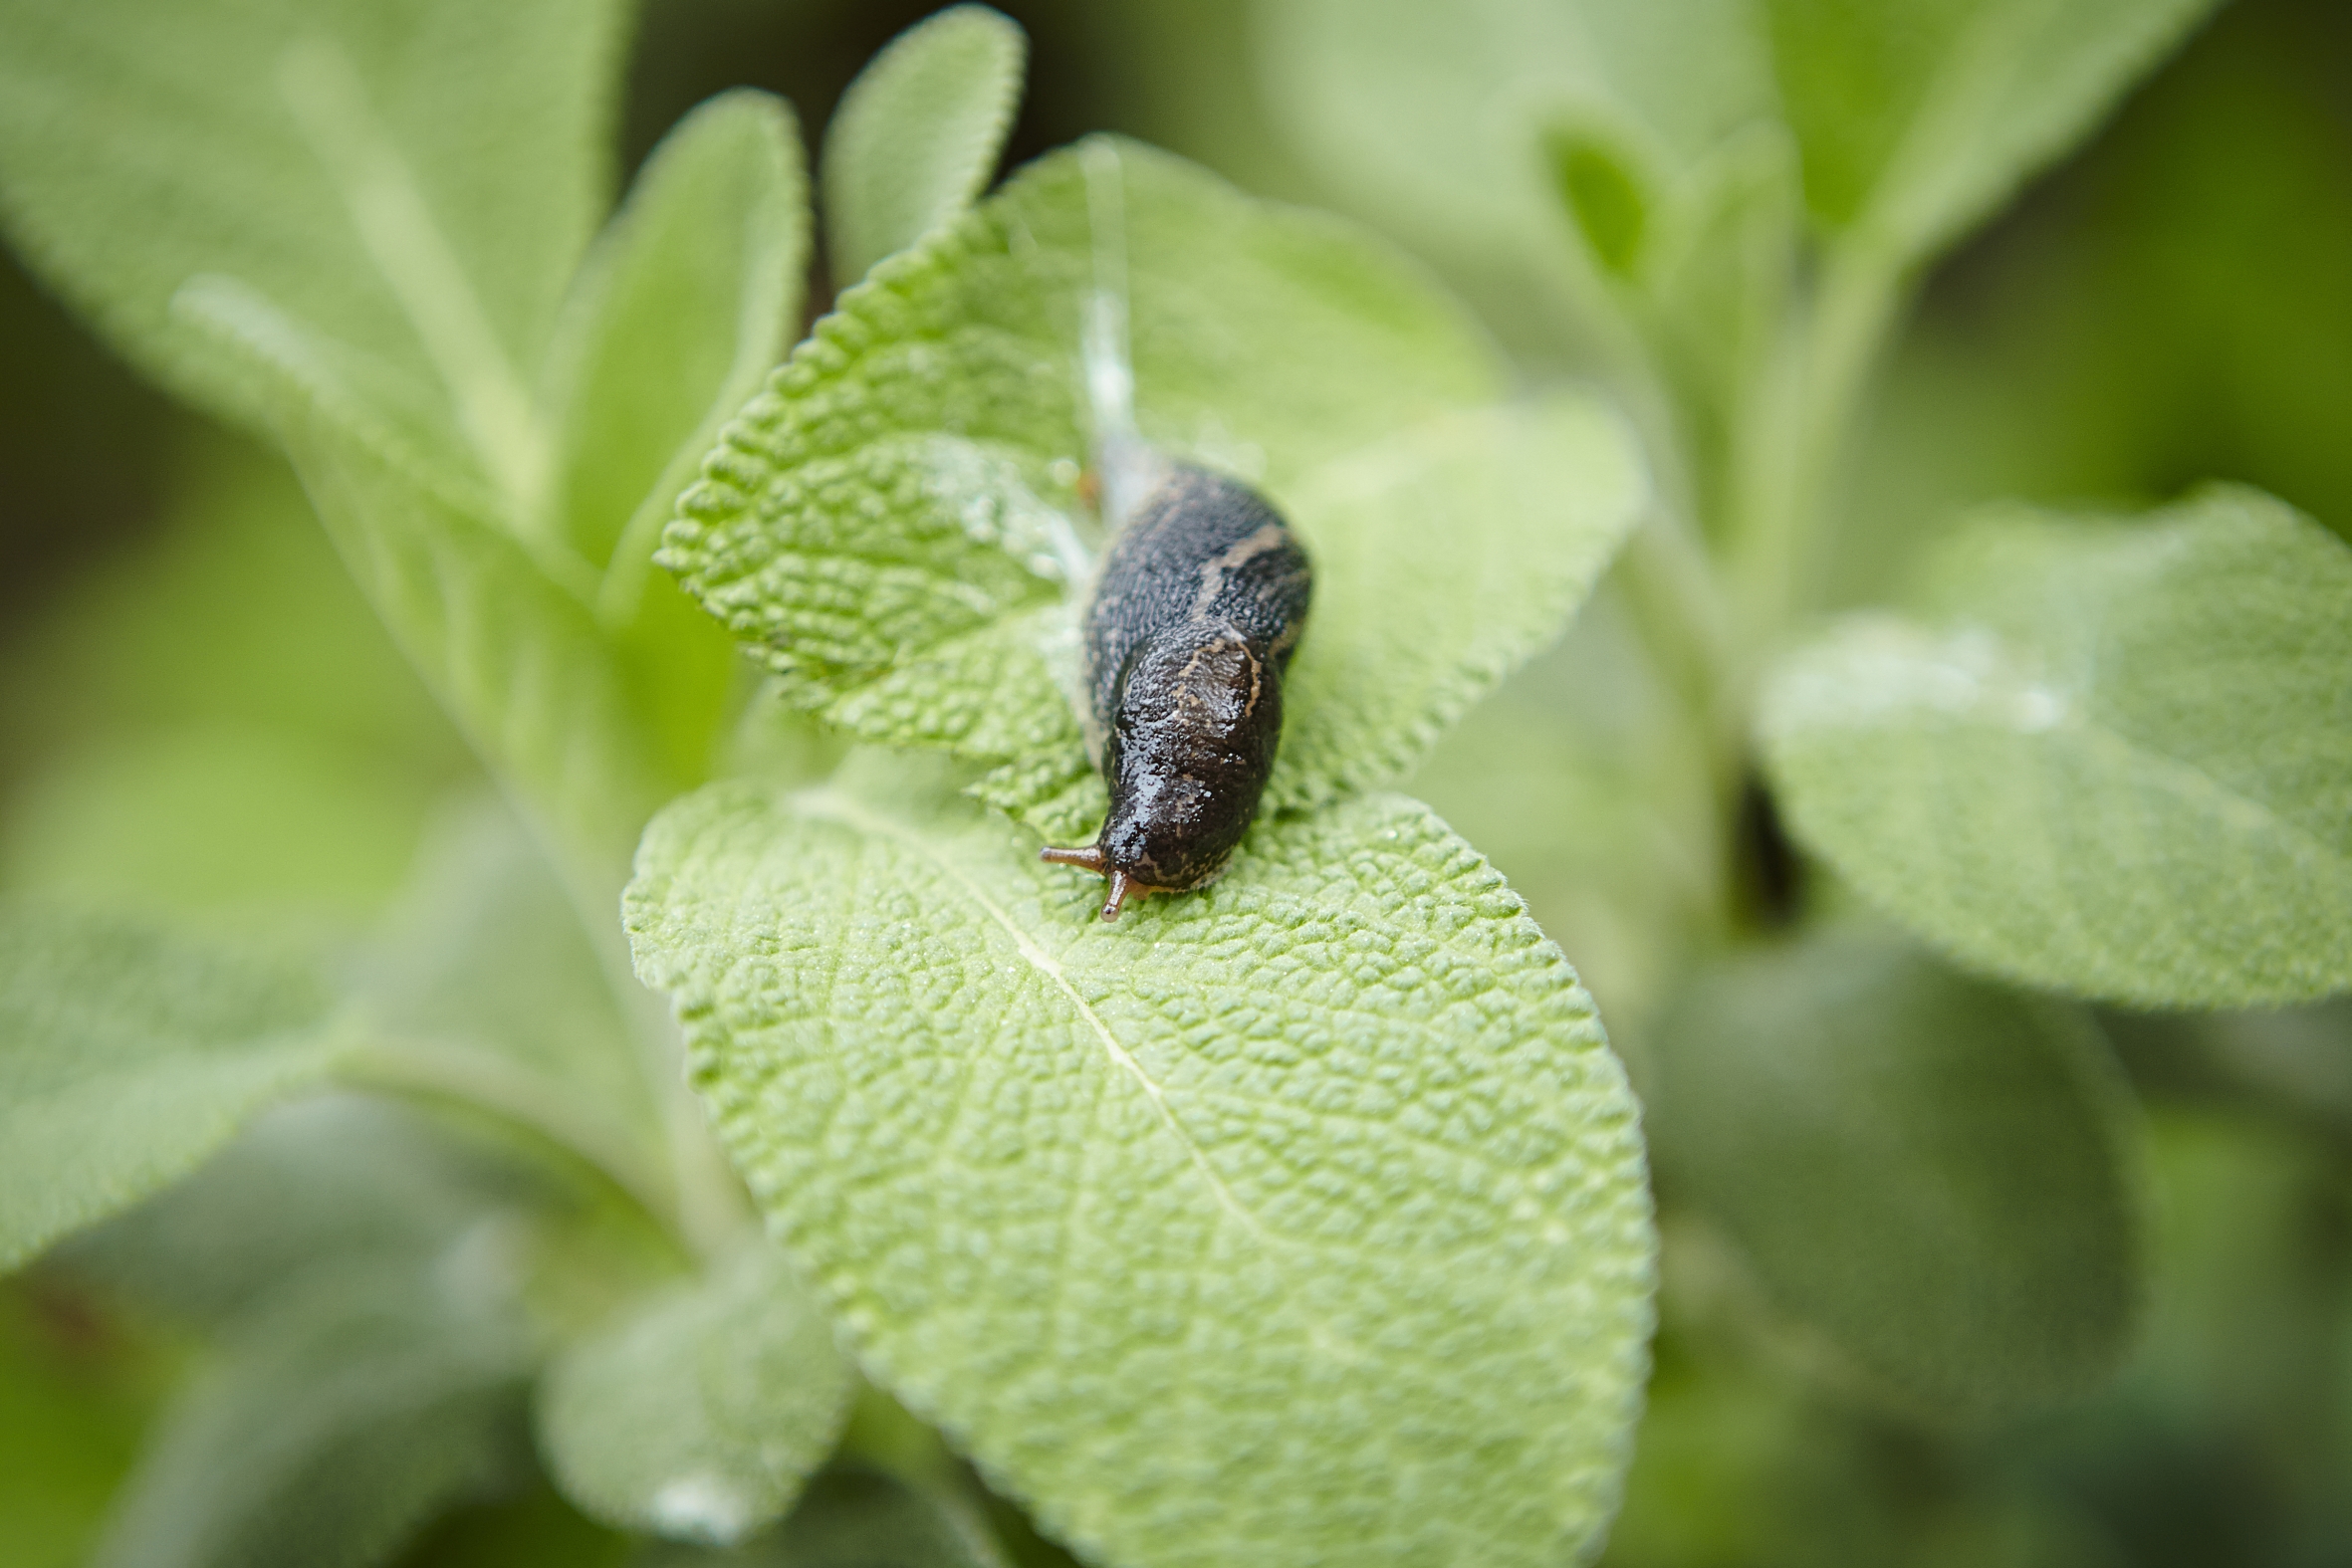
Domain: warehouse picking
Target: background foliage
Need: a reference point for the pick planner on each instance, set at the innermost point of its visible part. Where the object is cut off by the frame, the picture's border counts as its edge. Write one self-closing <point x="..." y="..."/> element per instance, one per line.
<point x="2056" y="1283"/>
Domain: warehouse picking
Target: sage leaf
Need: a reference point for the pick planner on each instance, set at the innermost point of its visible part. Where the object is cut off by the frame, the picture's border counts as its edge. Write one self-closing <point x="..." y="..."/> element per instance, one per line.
<point x="129" y="1055"/>
<point x="1938" y="1174"/>
<point x="2105" y="757"/>
<point x="918" y="135"/>
<point x="334" y="1426"/>
<point x="1244" y="1228"/>
<point x="483" y="982"/>
<point x="700" y="1413"/>
<point x="1916" y="121"/>
<point x="1912" y="122"/>
<point x="333" y="156"/>
<point x="1439" y="119"/>
<point x="506" y="635"/>
<point x="690" y="296"/>
<point x="334" y="1185"/>
<point x="892" y="524"/>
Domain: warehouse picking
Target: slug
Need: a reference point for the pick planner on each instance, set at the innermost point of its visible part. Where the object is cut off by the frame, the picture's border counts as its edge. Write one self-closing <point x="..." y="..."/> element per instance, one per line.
<point x="1201" y="597"/>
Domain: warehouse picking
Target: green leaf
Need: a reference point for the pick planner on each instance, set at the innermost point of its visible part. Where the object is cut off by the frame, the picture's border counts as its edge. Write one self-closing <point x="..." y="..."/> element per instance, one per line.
<point x="414" y="180"/>
<point x="1917" y="120"/>
<point x="2108" y="759"/>
<point x="485" y="983"/>
<point x="1605" y="193"/>
<point x="702" y="1412"/>
<point x="336" y="1424"/>
<point x="888" y="524"/>
<point x="127" y="1056"/>
<point x="506" y="637"/>
<point x="332" y="1184"/>
<point x="1437" y="115"/>
<point x="1299" y="1220"/>
<point x="691" y="296"/>
<point x="918" y="135"/>
<point x="1939" y="1174"/>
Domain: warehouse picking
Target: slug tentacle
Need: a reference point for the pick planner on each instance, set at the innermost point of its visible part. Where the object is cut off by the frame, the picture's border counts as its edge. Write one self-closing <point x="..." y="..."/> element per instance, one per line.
<point x="1201" y="598"/>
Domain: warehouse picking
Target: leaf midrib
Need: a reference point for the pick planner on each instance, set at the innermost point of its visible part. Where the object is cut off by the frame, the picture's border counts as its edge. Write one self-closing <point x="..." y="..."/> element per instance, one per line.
<point x="829" y="806"/>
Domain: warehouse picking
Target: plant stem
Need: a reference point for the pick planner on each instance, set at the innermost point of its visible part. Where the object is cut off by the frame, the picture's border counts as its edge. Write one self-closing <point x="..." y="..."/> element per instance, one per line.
<point x="1789" y="443"/>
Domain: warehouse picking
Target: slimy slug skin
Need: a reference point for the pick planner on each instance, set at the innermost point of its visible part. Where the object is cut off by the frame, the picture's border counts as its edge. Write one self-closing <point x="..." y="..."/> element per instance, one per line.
<point x="1200" y="600"/>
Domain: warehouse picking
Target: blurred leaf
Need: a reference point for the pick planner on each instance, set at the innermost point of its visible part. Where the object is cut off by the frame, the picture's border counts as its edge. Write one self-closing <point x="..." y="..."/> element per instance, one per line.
<point x="853" y="1518"/>
<point x="334" y="1185"/>
<point x="516" y="654"/>
<point x="1605" y="193"/>
<point x="262" y="825"/>
<point x="127" y="1056"/>
<point x="703" y="1411"/>
<point x="1583" y="781"/>
<point x="72" y="1404"/>
<point x="690" y="297"/>
<point x="1204" y="1230"/>
<point x="1939" y="1174"/>
<point x="1438" y="114"/>
<point x="918" y="135"/>
<point x="1916" y="121"/>
<point x="2115" y="760"/>
<point x="486" y="982"/>
<point x="415" y="180"/>
<point x="889" y="523"/>
<point x="141" y="642"/>
<point x="335" y="1424"/>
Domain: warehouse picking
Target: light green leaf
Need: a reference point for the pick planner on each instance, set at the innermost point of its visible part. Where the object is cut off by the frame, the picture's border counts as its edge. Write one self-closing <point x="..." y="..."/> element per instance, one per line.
<point x="336" y="1424"/>
<point x="2109" y="759"/>
<point x="1916" y="121"/>
<point x="334" y="1185"/>
<point x="700" y="1413"/>
<point x="855" y="1517"/>
<point x="919" y="133"/>
<point x="417" y="180"/>
<point x="1299" y="1220"/>
<point x="1437" y="115"/>
<point x="507" y="636"/>
<point x="127" y="1056"/>
<point x="690" y="297"/>
<point x="485" y="984"/>
<point x="890" y="523"/>
<point x="1939" y="1174"/>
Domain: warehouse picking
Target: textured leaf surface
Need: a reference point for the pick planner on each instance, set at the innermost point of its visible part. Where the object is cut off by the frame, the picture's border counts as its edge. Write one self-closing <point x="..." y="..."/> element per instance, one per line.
<point x="333" y="156"/>
<point x="1939" y="1174"/>
<point x="700" y="1413"/>
<point x="127" y="1056"/>
<point x="334" y="1426"/>
<point x="1299" y="1220"/>
<point x="2109" y="759"/>
<point x="890" y="522"/>
<point x="919" y="133"/>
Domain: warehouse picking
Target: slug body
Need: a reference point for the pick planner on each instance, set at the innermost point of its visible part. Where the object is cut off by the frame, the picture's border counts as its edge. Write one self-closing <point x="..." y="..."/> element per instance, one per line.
<point x="1200" y="600"/>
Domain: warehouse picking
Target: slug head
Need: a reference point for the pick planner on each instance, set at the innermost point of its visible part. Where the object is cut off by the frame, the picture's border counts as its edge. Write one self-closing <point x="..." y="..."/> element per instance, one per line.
<point x="1200" y="711"/>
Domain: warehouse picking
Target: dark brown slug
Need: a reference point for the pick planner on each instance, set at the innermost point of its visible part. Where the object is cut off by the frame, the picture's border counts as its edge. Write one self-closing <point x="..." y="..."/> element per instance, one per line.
<point x="1199" y="602"/>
